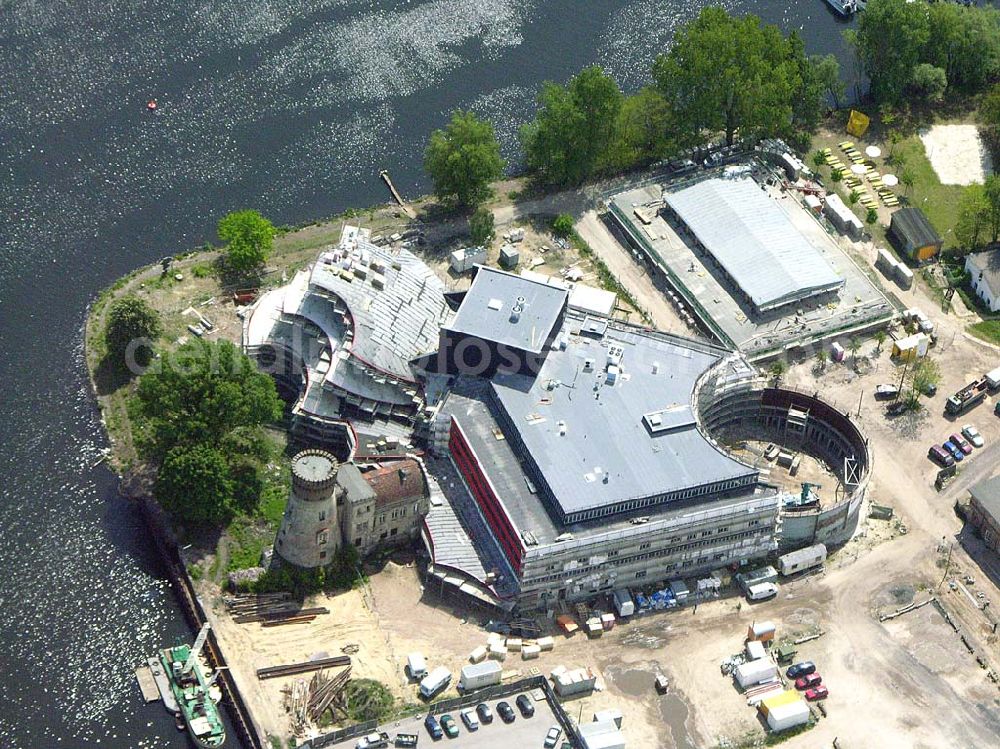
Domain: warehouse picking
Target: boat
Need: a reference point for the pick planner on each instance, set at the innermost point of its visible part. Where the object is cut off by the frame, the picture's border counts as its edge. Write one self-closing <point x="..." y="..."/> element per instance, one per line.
<point x="151" y="105"/>
<point x="846" y="8"/>
<point x="196" y="696"/>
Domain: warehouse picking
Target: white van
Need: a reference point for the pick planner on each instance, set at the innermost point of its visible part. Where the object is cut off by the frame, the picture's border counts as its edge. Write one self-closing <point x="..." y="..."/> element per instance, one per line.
<point x="434" y="682"/>
<point x="762" y="591"/>
<point x="470" y="720"/>
<point x="416" y="666"/>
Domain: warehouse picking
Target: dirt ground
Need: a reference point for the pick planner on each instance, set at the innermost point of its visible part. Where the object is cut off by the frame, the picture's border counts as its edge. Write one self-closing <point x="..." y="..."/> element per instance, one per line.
<point x="957" y="154"/>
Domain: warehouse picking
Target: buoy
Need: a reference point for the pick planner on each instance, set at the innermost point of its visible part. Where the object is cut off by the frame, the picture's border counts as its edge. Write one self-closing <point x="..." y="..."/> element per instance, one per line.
<point x="151" y="105"/>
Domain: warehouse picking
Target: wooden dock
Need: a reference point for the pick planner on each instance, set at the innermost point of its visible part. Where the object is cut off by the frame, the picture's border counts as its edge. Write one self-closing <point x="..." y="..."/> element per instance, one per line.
<point x="396" y="196"/>
<point x="146" y="684"/>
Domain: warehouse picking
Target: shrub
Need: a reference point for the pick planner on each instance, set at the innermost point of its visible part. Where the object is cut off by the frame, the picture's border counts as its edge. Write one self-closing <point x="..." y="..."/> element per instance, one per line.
<point x="562" y="225"/>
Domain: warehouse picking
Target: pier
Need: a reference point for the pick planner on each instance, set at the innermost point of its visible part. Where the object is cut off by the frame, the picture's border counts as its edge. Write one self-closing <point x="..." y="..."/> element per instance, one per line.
<point x="395" y="194"/>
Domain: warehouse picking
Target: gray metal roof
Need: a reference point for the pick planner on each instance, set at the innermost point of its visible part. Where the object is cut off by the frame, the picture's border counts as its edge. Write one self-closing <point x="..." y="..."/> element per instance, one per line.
<point x="394" y="324"/>
<point x="487" y="311"/>
<point x="753" y="239"/>
<point x="592" y="441"/>
<point x="987" y="494"/>
<point x="985" y="267"/>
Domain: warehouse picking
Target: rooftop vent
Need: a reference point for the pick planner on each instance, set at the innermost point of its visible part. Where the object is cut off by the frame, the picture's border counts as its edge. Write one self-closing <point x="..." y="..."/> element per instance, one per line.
<point x="515" y="313"/>
<point x="495" y="304"/>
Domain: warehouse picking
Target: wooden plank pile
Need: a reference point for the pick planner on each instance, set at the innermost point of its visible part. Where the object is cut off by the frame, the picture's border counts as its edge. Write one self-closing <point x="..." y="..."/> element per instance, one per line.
<point x="327" y="693"/>
<point x="291" y="669"/>
<point x="271" y="610"/>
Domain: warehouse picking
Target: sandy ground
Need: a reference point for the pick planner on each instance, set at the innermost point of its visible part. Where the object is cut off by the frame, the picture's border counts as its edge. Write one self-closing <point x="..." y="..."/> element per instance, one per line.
<point x="957" y="154"/>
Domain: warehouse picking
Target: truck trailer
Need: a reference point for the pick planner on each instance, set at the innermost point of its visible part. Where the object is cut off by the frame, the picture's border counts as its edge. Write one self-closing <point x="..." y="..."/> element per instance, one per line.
<point x="479" y="675"/>
<point x="802" y="559"/>
<point x="971" y="395"/>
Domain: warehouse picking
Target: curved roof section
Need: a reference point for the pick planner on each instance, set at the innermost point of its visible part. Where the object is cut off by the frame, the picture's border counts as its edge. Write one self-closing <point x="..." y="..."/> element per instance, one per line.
<point x="754" y="241"/>
<point x="395" y="301"/>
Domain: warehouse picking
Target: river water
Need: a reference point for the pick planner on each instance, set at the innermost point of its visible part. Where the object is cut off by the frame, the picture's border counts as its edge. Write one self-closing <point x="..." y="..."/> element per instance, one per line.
<point x="288" y="106"/>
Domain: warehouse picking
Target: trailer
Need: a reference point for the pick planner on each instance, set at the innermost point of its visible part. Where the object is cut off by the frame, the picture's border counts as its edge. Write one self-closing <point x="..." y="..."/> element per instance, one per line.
<point x="993" y="379"/>
<point x="802" y="559"/>
<point x="624" y="604"/>
<point x="968" y="397"/>
<point x="435" y="682"/>
<point x="754" y="672"/>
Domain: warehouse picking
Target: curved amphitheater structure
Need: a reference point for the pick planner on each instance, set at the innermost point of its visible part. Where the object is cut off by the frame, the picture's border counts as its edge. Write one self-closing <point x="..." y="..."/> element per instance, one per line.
<point x="739" y="409"/>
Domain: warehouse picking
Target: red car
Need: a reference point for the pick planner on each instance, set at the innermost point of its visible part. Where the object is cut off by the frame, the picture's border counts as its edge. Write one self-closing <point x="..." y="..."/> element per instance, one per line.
<point x="817" y="693"/>
<point x="961" y="443"/>
<point x="808" y="682"/>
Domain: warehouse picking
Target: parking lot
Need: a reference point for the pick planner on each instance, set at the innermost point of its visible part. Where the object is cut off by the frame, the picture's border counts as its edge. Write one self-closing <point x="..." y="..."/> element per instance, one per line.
<point x="522" y="732"/>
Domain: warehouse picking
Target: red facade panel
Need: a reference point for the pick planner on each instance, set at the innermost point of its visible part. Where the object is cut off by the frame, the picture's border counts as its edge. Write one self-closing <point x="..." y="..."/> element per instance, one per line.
<point x="486" y="498"/>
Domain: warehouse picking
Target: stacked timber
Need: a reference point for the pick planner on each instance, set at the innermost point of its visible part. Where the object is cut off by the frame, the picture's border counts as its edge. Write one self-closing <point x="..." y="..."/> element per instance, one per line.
<point x="271" y="610"/>
<point x="291" y="669"/>
<point x="327" y="693"/>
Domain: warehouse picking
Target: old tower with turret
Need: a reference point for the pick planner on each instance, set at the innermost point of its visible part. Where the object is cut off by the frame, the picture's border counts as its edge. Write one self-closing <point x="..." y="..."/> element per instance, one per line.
<point x="310" y="534"/>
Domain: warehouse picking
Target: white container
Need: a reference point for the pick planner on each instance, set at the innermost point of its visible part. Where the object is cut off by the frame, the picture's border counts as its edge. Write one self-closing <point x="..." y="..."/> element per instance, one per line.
<point x="783" y="717"/>
<point x="993" y="378"/>
<point x="514" y="644"/>
<point x="624" y="604"/>
<point x="802" y="559"/>
<point x="754" y="672"/>
<point x="529" y="652"/>
<point x="498" y="652"/>
<point x="545" y="643"/>
<point x="755" y="650"/>
<point x="416" y="666"/>
<point x="478" y="655"/>
<point x="479" y="675"/>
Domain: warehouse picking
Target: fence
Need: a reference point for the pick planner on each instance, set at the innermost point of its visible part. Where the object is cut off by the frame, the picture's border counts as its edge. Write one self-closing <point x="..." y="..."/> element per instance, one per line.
<point x="459" y="703"/>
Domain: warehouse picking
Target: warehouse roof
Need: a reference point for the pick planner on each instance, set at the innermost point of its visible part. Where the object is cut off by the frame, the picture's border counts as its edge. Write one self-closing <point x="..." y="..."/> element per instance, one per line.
<point x="987" y="494"/>
<point x="601" y="437"/>
<point x="912" y="228"/>
<point x="754" y="241"/>
<point x="513" y="310"/>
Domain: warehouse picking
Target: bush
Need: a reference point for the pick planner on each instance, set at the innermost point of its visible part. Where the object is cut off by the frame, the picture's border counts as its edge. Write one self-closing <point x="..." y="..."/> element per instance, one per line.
<point x="562" y="225"/>
<point x="131" y="319"/>
<point x="367" y="699"/>
<point x="481" y="227"/>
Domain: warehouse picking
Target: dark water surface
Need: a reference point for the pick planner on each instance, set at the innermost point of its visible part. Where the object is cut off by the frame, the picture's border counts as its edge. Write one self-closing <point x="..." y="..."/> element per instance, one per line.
<point x="288" y="106"/>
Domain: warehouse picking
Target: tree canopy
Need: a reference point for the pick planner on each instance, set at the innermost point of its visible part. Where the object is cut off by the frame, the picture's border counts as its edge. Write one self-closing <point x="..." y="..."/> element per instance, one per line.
<point x="249" y="237"/>
<point x="131" y="319"/>
<point x="481" y="226"/>
<point x="463" y="158"/>
<point x="201" y="409"/>
<point x="898" y="42"/>
<point x="204" y="392"/>
<point x="573" y="128"/>
<point x="193" y="483"/>
<point x="736" y="75"/>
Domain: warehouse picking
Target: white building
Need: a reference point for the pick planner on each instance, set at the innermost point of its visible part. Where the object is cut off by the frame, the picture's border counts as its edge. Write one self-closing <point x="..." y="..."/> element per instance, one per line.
<point x="984" y="269"/>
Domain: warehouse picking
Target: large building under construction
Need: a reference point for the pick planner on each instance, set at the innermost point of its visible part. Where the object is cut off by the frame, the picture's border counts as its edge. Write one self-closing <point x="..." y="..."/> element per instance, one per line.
<point x="567" y="454"/>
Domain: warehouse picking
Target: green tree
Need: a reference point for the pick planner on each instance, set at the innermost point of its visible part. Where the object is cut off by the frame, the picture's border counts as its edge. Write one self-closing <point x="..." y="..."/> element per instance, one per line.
<point x="871" y="216"/>
<point x="880" y="338"/>
<point x="854" y="346"/>
<point x="906" y="179"/>
<point x="973" y="217"/>
<point x="929" y="82"/>
<point x="642" y="131"/>
<point x="572" y="132"/>
<point x="989" y="121"/>
<point x="481" y="226"/>
<point x="854" y="197"/>
<point x="205" y="392"/>
<point x="731" y="75"/>
<point x="924" y="374"/>
<point x="822" y="358"/>
<point x="890" y="39"/>
<point x="249" y="237"/>
<point x="463" y="158"/>
<point x="131" y="319"/>
<point x="562" y="225"/>
<point x="826" y="70"/>
<point x="992" y="192"/>
<point x="193" y="484"/>
<point x="965" y="43"/>
<point x="778" y="369"/>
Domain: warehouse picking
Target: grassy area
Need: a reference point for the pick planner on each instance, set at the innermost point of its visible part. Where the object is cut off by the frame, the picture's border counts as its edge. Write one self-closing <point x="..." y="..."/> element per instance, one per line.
<point x="939" y="202"/>
<point x="987" y="330"/>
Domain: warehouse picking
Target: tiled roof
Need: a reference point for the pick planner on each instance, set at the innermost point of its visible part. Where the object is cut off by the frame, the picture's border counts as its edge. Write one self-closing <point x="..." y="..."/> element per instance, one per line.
<point x="396" y="482"/>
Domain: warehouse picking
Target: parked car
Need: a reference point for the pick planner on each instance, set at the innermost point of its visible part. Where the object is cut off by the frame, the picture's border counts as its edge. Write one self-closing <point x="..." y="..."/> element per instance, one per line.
<point x="433" y="727"/>
<point x="885" y="392"/>
<point x="484" y="712"/>
<point x="972" y="434"/>
<point x="552" y="737"/>
<point x="524" y="705"/>
<point x="817" y="693"/>
<point x="682" y="166"/>
<point x="406" y="740"/>
<point x="373" y="741"/>
<point x="951" y="447"/>
<point x="996" y="408"/>
<point x="451" y="727"/>
<point x="800" y="669"/>
<point x="470" y="719"/>
<point x="506" y="712"/>
<point x="805" y="682"/>
<point x="959" y="440"/>
<point x="940" y="456"/>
